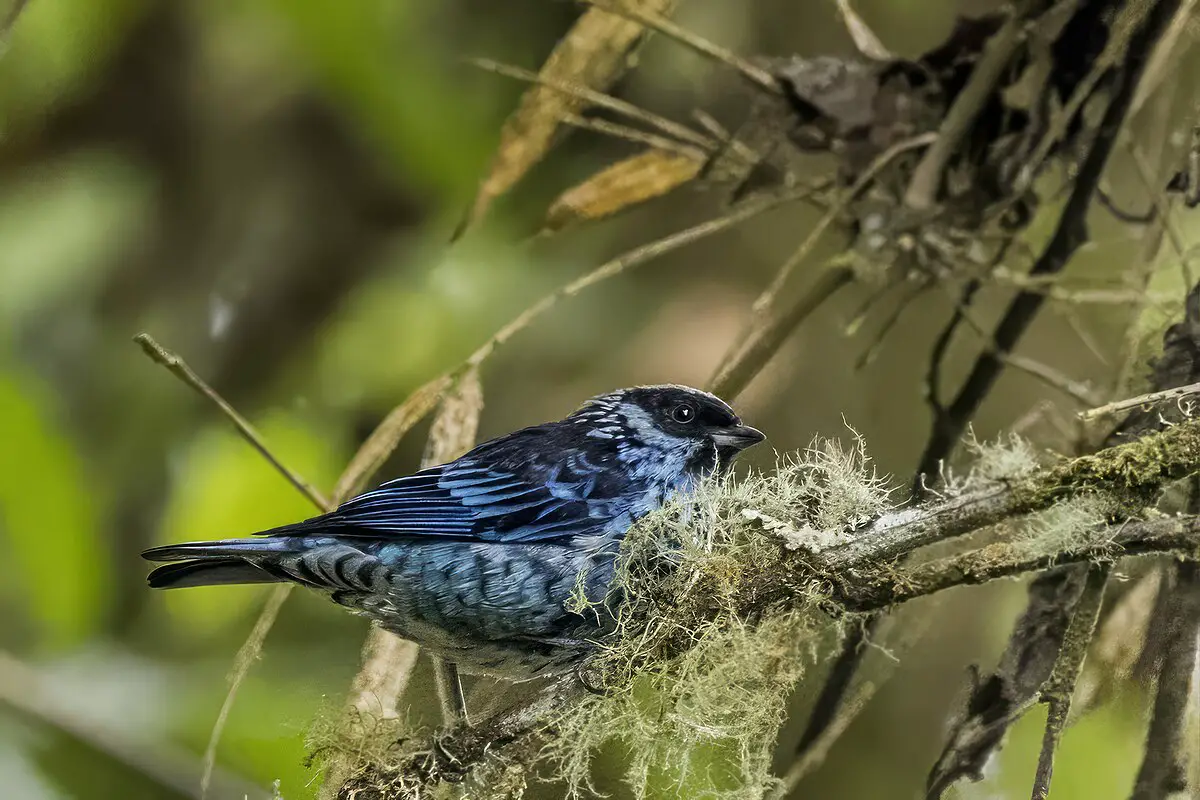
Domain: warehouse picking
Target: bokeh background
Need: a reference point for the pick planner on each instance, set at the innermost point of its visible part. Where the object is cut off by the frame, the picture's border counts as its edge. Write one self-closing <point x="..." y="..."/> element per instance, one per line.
<point x="268" y="187"/>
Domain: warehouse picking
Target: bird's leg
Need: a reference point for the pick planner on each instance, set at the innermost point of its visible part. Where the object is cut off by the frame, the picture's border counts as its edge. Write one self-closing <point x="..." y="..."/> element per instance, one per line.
<point x="450" y="692"/>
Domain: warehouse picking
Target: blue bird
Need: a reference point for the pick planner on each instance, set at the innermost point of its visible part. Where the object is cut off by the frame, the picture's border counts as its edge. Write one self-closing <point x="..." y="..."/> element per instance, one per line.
<point x="478" y="559"/>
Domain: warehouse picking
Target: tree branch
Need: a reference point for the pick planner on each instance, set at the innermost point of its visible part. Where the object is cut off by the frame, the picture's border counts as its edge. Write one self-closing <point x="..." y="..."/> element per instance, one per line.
<point x="1069" y="234"/>
<point x="862" y="575"/>
<point x="1164" y="771"/>
<point x="179" y="368"/>
<point x="1060" y="688"/>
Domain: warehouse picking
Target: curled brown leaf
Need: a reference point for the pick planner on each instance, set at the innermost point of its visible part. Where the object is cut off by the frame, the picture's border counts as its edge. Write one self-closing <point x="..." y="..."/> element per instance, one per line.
<point x="649" y="174"/>
<point x="592" y="54"/>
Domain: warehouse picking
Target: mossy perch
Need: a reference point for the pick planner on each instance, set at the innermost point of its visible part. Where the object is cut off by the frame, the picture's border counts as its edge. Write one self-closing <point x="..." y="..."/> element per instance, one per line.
<point x="725" y="592"/>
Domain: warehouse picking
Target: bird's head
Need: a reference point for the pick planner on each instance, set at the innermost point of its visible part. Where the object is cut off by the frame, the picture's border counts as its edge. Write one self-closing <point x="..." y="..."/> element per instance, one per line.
<point x="675" y="418"/>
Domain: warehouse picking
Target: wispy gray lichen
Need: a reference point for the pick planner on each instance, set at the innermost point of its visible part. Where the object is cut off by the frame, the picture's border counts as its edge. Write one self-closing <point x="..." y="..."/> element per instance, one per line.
<point x="696" y="690"/>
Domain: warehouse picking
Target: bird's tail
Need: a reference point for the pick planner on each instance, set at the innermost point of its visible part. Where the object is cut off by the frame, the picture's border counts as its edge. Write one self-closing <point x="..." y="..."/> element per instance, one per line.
<point x="230" y="561"/>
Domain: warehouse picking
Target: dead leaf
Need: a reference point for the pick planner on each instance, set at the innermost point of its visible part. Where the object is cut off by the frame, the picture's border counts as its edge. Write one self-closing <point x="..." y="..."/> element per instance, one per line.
<point x="635" y="180"/>
<point x="592" y="54"/>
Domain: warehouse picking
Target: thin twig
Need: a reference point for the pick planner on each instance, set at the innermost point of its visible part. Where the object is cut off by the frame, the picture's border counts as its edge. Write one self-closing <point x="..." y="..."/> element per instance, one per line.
<point x="1069" y="233"/>
<point x="830" y="711"/>
<point x="1053" y="378"/>
<point x="926" y="179"/>
<point x="251" y="648"/>
<point x="1140" y="401"/>
<point x="814" y="755"/>
<point x="763" y="334"/>
<point x="764" y="301"/>
<point x="247" y="655"/>
<point x="1079" y="392"/>
<point x="875" y="347"/>
<point x="634" y="258"/>
<point x="680" y="132"/>
<point x="626" y="133"/>
<point x="726" y="139"/>
<point x="937" y="358"/>
<point x="766" y="339"/>
<point x="1052" y="286"/>
<point x="179" y="368"/>
<point x="758" y="77"/>
<point x="1145" y="173"/>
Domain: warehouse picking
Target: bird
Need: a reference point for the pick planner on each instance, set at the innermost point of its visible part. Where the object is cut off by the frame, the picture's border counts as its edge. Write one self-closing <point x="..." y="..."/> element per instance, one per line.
<point x="478" y="560"/>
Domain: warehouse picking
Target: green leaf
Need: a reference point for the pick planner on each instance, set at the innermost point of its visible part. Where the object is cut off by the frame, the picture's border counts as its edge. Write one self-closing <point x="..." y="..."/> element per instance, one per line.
<point x="48" y="515"/>
<point x="225" y="489"/>
<point x="53" y="51"/>
<point x="62" y="224"/>
<point x="374" y="59"/>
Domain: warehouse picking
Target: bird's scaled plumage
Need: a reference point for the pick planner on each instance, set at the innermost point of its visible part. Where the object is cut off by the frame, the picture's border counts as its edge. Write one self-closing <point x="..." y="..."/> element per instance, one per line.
<point x="478" y="559"/>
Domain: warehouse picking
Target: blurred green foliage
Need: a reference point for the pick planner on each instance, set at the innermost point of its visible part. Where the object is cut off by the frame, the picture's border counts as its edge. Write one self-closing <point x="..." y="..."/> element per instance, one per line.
<point x="132" y="130"/>
<point x="57" y="573"/>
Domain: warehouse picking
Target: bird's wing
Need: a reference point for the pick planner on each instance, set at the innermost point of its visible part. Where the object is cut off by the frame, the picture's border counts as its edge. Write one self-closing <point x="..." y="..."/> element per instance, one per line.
<point x="480" y="498"/>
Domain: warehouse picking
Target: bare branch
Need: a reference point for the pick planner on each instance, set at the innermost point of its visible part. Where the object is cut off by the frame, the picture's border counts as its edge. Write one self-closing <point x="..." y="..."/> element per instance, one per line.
<point x="1059" y="689"/>
<point x="179" y="368"/>
<point x="1140" y="401"/>
<point x="1164" y="766"/>
<point x="927" y="177"/>
<point x="756" y="76"/>
<point x="767" y="330"/>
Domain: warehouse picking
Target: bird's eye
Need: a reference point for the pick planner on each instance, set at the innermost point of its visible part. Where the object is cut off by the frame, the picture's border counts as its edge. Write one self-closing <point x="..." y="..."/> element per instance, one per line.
<point x="683" y="413"/>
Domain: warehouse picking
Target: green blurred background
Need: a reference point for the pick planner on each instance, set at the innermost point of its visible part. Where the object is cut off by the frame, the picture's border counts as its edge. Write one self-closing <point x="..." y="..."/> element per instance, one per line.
<point x="267" y="186"/>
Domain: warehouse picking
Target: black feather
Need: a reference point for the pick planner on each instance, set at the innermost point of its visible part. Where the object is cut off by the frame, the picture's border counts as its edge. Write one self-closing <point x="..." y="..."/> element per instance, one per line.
<point x="213" y="572"/>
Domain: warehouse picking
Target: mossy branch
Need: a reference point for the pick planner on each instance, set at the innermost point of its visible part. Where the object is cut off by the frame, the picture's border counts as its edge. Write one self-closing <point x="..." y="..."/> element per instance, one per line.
<point x="882" y="588"/>
<point x="1130" y="474"/>
<point x="771" y="563"/>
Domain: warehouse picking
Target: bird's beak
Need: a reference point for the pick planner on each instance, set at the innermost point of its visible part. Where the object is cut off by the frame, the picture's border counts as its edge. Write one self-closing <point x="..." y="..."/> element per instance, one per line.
<point x="739" y="437"/>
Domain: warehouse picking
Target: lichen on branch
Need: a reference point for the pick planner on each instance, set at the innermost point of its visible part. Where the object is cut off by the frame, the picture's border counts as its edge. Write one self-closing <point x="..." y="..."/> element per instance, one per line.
<point x="724" y="594"/>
